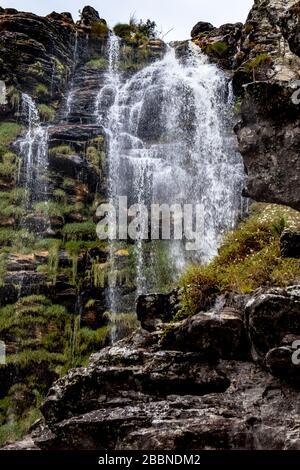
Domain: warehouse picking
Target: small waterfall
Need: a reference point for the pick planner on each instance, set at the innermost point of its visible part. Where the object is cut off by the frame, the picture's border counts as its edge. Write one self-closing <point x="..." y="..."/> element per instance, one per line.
<point x="71" y="92"/>
<point x="34" y="152"/>
<point x="170" y="142"/>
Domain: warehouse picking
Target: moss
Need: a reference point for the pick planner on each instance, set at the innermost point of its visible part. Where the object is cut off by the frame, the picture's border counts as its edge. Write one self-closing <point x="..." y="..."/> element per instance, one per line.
<point x="78" y="231"/>
<point x="61" y="150"/>
<point x="220" y="48"/>
<point x="36" y="69"/>
<point x="97" y="64"/>
<point x="46" y="112"/>
<point x="9" y="131"/>
<point x="41" y="90"/>
<point x="59" y="67"/>
<point x="99" y="29"/>
<point x="248" y="259"/>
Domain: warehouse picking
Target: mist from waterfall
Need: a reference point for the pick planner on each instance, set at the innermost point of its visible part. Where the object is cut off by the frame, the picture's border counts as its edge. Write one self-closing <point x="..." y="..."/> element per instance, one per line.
<point x="170" y="141"/>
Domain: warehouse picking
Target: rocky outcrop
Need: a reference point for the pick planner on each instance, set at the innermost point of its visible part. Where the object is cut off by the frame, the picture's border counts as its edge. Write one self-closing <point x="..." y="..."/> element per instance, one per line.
<point x="268" y="130"/>
<point x="290" y="244"/>
<point x="200" y="391"/>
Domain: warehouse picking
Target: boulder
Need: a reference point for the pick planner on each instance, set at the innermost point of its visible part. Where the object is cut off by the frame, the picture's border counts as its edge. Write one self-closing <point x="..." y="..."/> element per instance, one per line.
<point x="201" y="27"/>
<point x="214" y="334"/>
<point x="290" y="244"/>
<point x="270" y="317"/>
<point x="153" y="309"/>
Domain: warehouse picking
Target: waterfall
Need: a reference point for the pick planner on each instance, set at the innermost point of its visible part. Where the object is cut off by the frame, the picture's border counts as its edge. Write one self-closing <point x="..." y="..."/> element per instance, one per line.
<point x="170" y="141"/>
<point x="34" y="153"/>
<point x="71" y="92"/>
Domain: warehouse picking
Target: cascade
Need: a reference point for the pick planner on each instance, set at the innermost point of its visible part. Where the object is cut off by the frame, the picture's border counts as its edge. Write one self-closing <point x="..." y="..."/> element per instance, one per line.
<point x="170" y="142"/>
<point x="34" y="152"/>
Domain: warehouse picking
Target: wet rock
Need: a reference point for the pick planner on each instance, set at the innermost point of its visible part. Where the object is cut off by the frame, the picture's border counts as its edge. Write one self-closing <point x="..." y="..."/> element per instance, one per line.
<point x="201" y="27"/>
<point x="290" y="244"/>
<point x="270" y="317"/>
<point x="153" y="309"/>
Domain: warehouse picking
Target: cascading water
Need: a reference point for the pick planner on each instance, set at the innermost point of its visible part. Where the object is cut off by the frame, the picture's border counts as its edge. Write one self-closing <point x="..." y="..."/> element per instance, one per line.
<point x="170" y="142"/>
<point x="34" y="152"/>
<point x="71" y="92"/>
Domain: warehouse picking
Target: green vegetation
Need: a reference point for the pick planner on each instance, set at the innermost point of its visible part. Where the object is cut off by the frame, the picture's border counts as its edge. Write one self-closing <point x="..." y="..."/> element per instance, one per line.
<point x="220" y="48"/>
<point x="99" y="29"/>
<point x="9" y="131"/>
<point x="36" y="69"/>
<point x="249" y="258"/>
<point x="46" y="112"/>
<point x="61" y="150"/>
<point x="136" y="33"/>
<point x="8" y="165"/>
<point x="251" y="66"/>
<point x="80" y="231"/>
<point x="41" y="90"/>
<point x="97" y="64"/>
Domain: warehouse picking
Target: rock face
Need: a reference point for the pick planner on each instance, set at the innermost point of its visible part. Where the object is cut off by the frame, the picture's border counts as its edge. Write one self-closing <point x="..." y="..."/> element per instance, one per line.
<point x="141" y="393"/>
<point x="268" y="132"/>
<point x="290" y="244"/>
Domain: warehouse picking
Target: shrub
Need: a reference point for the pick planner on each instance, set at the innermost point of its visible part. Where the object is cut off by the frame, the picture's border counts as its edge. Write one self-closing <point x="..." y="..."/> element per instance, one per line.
<point x="124" y="30"/>
<point x="99" y="29"/>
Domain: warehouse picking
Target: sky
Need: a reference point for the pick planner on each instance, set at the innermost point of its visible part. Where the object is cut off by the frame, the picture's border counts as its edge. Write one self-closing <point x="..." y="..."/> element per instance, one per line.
<point x="176" y="15"/>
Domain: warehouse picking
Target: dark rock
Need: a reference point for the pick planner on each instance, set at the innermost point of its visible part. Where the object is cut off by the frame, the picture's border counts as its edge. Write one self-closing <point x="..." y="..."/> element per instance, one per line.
<point x="213" y="334"/>
<point x="279" y="362"/>
<point x="270" y="316"/>
<point x="152" y="309"/>
<point x="201" y="27"/>
<point x="290" y="244"/>
<point x="89" y="15"/>
<point x="290" y="25"/>
<point x="95" y="408"/>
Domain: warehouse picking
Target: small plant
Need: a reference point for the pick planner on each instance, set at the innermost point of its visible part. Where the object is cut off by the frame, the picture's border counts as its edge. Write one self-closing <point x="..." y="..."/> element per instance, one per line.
<point x="251" y="66"/>
<point x="220" y="48"/>
<point x="46" y="112"/>
<point x="61" y="150"/>
<point x="41" y="90"/>
<point x="97" y="64"/>
<point x="78" y="231"/>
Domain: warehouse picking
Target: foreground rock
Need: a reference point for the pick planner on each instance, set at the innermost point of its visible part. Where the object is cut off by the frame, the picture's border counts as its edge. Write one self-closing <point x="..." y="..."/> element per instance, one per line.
<point x="141" y="393"/>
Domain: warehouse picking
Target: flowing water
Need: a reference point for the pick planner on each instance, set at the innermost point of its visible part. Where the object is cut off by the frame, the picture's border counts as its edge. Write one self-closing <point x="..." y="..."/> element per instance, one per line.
<point x="34" y="153"/>
<point x="170" y="141"/>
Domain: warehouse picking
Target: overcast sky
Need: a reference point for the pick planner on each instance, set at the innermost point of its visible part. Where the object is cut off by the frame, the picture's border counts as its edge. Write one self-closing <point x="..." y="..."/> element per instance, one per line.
<point x="181" y="15"/>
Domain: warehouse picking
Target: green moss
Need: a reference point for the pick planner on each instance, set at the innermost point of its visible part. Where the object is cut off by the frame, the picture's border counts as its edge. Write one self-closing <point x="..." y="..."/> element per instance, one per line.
<point x="220" y="48"/>
<point x="99" y="29"/>
<point x="46" y="112"/>
<point x="41" y="90"/>
<point x="78" y="231"/>
<point x="97" y="64"/>
<point x="61" y="150"/>
<point x="9" y="131"/>
<point x="36" y="69"/>
<point x="248" y="259"/>
<point x="59" y="67"/>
